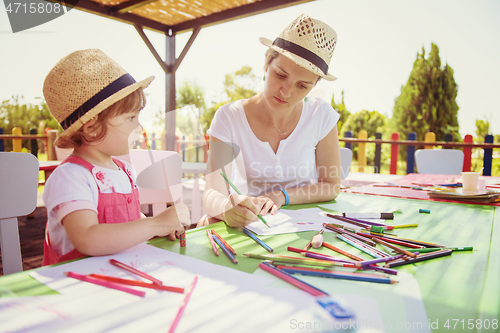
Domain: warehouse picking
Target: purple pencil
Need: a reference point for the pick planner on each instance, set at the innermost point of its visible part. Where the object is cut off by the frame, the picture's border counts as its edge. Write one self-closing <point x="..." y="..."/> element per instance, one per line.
<point x="376" y="261"/>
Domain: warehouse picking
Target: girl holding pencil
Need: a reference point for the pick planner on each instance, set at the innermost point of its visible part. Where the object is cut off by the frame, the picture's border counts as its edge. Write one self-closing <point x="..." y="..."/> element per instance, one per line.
<point x="278" y="147"/>
<point x="92" y="199"/>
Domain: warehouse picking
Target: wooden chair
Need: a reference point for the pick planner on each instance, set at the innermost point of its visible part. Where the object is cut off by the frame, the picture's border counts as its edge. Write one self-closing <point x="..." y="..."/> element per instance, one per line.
<point x="18" y="197"/>
<point x="345" y="162"/>
<point x="159" y="174"/>
<point x="439" y="161"/>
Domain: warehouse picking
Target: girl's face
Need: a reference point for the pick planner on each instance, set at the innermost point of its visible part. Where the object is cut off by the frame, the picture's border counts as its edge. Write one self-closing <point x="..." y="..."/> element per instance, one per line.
<point x="287" y="83"/>
<point x="119" y="129"/>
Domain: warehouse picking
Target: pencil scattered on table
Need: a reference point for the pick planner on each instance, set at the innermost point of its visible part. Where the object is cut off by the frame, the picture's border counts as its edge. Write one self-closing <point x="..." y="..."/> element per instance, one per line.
<point x="214" y="247"/>
<point x="137" y="283"/>
<point x="238" y="191"/>
<point x="225" y="249"/>
<point x="183" y="306"/>
<point x="226" y="244"/>
<point x="106" y="284"/>
<point x="258" y="240"/>
<point x="132" y="270"/>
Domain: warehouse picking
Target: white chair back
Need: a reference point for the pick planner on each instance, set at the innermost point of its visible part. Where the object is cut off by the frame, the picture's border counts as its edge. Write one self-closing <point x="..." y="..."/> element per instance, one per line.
<point x="18" y="197"/>
<point x="439" y="161"/>
<point x="159" y="174"/>
<point x="345" y="162"/>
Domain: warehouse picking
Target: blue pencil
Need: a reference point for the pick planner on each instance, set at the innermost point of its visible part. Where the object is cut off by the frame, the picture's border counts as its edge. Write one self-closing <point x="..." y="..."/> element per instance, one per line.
<point x="359" y="247"/>
<point x="226" y="251"/>
<point x="337" y="275"/>
<point x="261" y="243"/>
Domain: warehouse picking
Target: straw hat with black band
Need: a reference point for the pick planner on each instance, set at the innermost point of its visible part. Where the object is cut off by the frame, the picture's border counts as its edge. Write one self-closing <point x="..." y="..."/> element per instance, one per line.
<point x="307" y="42"/>
<point x="83" y="84"/>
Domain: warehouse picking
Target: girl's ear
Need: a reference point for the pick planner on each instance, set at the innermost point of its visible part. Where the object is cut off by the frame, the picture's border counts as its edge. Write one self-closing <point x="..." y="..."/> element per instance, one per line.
<point x="90" y="127"/>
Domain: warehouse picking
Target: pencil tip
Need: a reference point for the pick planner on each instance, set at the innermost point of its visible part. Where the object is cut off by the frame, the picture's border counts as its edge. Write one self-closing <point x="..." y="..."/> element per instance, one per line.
<point x="246" y="254"/>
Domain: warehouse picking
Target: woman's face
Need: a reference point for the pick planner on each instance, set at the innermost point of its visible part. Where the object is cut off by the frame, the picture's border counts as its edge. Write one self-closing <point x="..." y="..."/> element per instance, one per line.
<point x="287" y="83"/>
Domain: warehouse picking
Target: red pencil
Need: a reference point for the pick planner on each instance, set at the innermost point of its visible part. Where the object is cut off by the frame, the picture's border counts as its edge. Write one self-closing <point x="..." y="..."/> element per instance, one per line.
<point x="137" y="283"/>
<point x="183" y="306"/>
<point x="106" y="284"/>
<point x="224" y="242"/>
<point x="134" y="271"/>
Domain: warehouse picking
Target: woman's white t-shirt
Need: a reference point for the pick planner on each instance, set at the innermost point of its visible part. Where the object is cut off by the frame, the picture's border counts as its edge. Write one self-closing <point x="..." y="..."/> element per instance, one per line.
<point x="257" y="169"/>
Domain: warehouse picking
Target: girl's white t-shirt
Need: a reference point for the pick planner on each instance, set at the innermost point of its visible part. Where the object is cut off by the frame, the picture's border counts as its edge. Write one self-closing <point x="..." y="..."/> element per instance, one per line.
<point x="257" y="169"/>
<point x="72" y="187"/>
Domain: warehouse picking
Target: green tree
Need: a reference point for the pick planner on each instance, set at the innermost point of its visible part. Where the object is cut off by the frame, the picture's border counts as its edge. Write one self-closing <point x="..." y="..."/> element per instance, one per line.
<point x="370" y="121"/>
<point x="190" y="102"/>
<point x="482" y="129"/>
<point x="241" y="84"/>
<point x="427" y="102"/>
<point x="341" y="109"/>
<point x="25" y="116"/>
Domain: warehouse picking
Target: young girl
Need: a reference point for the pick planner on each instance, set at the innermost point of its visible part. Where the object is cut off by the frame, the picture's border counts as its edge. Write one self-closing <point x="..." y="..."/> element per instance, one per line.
<point x="92" y="200"/>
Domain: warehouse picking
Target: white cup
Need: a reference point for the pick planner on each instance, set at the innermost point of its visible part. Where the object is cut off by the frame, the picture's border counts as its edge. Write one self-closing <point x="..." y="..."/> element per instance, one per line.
<point x="470" y="180"/>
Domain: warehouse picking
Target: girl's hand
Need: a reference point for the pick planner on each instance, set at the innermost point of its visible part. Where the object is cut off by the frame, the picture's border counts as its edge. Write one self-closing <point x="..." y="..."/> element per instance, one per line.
<point x="173" y="220"/>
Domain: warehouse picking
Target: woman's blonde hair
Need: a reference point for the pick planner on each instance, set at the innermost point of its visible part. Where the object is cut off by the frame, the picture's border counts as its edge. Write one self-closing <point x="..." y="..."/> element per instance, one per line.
<point x="133" y="102"/>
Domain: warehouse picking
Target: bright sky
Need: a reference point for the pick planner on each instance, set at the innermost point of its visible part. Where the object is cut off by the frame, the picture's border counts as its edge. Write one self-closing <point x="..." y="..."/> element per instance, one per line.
<point x="378" y="41"/>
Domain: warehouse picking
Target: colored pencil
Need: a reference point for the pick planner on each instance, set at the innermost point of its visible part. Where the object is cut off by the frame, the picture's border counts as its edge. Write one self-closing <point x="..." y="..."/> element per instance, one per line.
<point x="134" y="271"/>
<point x="369" y="247"/>
<point x="226" y="244"/>
<point x="182" y="239"/>
<point x="345" y="253"/>
<point x="367" y="215"/>
<point x="337" y="274"/>
<point x="323" y="256"/>
<point x="342" y="231"/>
<point x="359" y="247"/>
<point x="308" y="245"/>
<point x="432" y="249"/>
<point x="420" y="257"/>
<point x="137" y="283"/>
<point x="214" y="248"/>
<point x="395" y="248"/>
<point x="106" y="284"/>
<point x="379" y="260"/>
<point x="292" y="280"/>
<point x="238" y="191"/>
<point x="413" y="241"/>
<point x="351" y="220"/>
<point x="405" y="225"/>
<point x="225" y="250"/>
<point x="256" y="239"/>
<point x="296" y="260"/>
<point x="183" y="306"/>
<point x="341" y="218"/>
<point x="393" y="241"/>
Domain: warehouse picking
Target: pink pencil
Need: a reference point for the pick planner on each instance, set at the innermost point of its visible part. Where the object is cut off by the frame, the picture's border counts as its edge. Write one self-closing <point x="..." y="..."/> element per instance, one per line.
<point x="183" y="306"/>
<point x="214" y="248"/>
<point x="135" y="271"/>
<point x="105" y="283"/>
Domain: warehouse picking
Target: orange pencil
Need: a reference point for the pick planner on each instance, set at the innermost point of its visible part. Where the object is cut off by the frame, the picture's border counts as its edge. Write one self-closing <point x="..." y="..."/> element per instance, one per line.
<point x="224" y="242"/>
<point x="347" y="254"/>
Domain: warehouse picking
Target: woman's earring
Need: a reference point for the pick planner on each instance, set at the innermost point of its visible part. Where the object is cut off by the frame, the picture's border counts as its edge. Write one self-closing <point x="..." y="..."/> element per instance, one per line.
<point x="94" y="135"/>
<point x="305" y="99"/>
<point x="264" y="77"/>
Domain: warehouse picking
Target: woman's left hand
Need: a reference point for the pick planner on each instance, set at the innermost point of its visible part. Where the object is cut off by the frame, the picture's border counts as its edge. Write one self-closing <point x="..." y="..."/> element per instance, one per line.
<point x="270" y="202"/>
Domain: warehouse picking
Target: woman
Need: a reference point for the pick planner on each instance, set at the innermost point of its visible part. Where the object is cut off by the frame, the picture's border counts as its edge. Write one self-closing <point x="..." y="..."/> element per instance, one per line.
<point x="277" y="147"/>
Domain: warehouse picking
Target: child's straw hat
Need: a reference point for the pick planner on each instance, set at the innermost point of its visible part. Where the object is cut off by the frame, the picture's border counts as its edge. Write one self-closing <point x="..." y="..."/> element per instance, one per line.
<point x="83" y="84"/>
<point x="307" y="42"/>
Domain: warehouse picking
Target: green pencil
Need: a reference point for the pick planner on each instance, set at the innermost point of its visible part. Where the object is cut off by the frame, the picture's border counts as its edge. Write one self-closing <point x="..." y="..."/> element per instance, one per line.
<point x="238" y="191"/>
<point x="297" y="260"/>
<point x="432" y="249"/>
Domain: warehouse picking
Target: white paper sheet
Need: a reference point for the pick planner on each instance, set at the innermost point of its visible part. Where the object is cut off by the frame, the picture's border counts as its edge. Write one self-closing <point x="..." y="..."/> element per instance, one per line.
<point x="288" y="221"/>
<point x="224" y="299"/>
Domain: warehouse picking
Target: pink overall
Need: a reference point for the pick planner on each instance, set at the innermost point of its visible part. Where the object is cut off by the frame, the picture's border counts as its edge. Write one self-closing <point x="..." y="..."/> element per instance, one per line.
<point x="112" y="208"/>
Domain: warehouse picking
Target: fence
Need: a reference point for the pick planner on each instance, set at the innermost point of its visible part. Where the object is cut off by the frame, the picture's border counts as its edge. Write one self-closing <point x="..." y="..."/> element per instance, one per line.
<point x="197" y="150"/>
